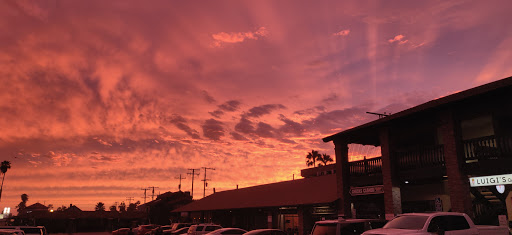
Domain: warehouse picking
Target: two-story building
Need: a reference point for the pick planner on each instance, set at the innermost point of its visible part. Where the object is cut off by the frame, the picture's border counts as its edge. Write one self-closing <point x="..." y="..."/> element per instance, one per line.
<point x="429" y="153"/>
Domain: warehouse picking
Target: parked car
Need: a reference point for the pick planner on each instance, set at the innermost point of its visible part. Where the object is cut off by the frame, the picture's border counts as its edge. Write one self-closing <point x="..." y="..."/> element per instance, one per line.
<point x="265" y="232"/>
<point x="29" y="230"/>
<point x="177" y="226"/>
<point x="200" y="229"/>
<point x="447" y="223"/>
<point x="159" y="230"/>
<point x="12" y="231"/>
<point x="234" y="231"/>
<point x="143" y="229"/>
<point x="121" y="231"/>
<point x="346" y="226"/>
<point x="183" y="230"/>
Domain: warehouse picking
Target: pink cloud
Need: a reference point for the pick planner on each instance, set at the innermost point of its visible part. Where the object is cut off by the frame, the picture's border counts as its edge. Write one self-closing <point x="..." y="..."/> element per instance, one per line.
<point x="342" y="33"/>
<point x="223" y="37"/>
<point x="398" y="38"/>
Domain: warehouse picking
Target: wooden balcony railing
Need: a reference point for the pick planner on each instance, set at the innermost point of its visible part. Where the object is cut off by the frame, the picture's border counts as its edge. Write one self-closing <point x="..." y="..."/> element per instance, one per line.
<point x="487" y="148"/>
<point x="430" y="156"/>
<point x="366" y="167"/>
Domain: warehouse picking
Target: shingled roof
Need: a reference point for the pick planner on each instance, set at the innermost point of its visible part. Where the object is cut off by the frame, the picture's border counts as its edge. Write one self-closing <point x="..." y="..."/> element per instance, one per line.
<point x="314" y="190"/>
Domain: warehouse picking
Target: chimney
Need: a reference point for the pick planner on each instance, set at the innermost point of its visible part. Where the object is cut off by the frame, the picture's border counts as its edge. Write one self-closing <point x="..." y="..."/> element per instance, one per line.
<point x="237" y="186"/>
<point x="213" y="190"/>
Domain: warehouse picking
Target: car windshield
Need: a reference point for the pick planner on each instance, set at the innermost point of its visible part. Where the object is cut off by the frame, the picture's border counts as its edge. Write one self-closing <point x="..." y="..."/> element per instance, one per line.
<point x="415" y="222"/>
<point x="324" y="229"/>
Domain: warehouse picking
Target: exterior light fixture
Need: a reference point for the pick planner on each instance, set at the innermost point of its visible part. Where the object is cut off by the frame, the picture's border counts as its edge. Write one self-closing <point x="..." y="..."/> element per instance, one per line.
<point x="500" y="188"/>
<point x="406" y="182"/>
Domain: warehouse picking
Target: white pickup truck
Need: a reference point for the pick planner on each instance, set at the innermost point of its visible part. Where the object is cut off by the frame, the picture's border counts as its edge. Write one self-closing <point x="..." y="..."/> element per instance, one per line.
<point x="447" y="223"/>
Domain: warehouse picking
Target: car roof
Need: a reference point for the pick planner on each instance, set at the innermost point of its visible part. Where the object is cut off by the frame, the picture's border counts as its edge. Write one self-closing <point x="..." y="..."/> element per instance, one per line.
<point x="347" y="221"/>
<point x="433" y="213"/>
<point x="224" y="229"/>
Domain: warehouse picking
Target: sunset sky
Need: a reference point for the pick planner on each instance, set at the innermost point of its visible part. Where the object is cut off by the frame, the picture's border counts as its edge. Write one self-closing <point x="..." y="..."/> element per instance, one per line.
<point x="101" y="98"/>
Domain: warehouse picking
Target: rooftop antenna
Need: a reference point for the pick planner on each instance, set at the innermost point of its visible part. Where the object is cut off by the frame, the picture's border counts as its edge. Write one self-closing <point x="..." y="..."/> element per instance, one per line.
<point x="205" y="184"/>
<point x="381" y="115"/>
<point x="181" y="178"/>
<point x="193" y="173"/>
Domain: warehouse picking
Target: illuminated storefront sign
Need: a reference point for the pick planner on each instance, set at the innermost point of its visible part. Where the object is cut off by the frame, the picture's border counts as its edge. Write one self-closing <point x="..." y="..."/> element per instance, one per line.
<point x="375" y="189"/>
<point x="490" y="180"/>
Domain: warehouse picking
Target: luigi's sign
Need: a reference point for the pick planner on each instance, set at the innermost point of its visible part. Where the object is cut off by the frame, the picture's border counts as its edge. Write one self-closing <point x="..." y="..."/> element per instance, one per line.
<point x="490" y="180"/>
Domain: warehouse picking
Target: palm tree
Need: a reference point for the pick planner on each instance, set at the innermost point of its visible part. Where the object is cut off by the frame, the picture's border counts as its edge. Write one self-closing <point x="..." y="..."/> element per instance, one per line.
<point x="23" y="204"/>
<point x="100" y="206"/>
<point x="312" y="157"/>
<point x="6" y="165"/>
<point x="325" y="159"/>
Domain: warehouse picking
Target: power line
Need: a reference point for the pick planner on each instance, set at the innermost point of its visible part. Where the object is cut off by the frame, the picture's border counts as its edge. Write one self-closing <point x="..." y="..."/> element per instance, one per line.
<point x="181" y="178"/>
<point x="193" y="173"/>
<point x="204" y="180"/>
<point x="129" y="199"/>
<point x="145" y="189"/>
<point x="152" y="191"/>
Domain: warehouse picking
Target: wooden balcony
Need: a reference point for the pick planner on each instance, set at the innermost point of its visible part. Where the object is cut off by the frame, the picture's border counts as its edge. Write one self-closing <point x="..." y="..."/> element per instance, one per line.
<point x="366" y="172"/>
<point x="422" y="163"/>
<point x="482" y="156"/>
<point x="488" y="155"/>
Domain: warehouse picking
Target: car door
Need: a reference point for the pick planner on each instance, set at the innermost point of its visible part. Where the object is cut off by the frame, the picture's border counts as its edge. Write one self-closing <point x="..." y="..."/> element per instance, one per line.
<point x="451" y="225"/>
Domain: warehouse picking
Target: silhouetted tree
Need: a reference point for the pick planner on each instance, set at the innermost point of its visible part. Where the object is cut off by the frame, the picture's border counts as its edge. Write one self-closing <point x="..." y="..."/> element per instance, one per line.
<point x="100" y="206"/>
<point x="23" y="203"/>
<point x="6" y="165"/>
<point x="113" y="208"/>
<point x="122" y="207"/>
<point x="312" y="157"/>
<point x="62" y="208"/>
<point x="50" y="206"/>
<point x="324" y="159"/>
<point x="133" y="206"/>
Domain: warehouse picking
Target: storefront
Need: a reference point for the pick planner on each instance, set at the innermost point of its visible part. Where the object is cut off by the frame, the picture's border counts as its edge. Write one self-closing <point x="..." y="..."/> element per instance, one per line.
<point x="292" y="206"/>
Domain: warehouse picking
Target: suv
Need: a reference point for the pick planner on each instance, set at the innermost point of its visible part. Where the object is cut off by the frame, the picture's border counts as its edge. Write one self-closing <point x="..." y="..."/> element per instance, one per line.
<point x="346" y="226"/>
<point x="200" y="229"/>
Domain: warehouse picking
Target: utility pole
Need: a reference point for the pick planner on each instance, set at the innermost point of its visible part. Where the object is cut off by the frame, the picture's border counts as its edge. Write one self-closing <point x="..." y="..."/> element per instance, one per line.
<point x="129" y="199"/>
<point x="181" y="178"/>
<point x="145" y="189"/>
<point x="204" y="180"/>
<point x="152" y="192"/>
<point x="193" y="173"/>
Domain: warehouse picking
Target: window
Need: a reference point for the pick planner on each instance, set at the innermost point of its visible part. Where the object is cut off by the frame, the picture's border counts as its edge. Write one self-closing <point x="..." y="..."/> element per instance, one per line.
<point x="448" y="223"/>
<point x="353" y="228"/>
<point x="407" y="222"/>
<point x="199" y="228"/>
<point x="211" y="228"/>
<point x="324" y="229"/>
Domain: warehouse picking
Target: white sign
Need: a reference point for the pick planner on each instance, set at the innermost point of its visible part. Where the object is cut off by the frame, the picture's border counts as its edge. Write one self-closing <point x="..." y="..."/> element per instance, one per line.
<point x="439" y="204"/>
<point x="490" y="180"/>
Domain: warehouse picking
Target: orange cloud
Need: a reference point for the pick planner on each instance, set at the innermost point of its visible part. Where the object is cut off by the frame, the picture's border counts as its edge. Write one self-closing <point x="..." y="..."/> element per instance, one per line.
<point x="223" y="37"/>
